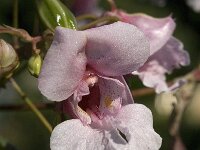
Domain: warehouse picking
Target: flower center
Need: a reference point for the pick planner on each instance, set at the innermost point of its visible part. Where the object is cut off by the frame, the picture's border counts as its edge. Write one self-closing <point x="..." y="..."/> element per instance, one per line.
<point x="90" y="103"/>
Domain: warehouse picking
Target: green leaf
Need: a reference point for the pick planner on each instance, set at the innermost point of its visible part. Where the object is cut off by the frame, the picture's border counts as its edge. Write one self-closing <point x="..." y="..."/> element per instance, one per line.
<point x="53" y="13"/>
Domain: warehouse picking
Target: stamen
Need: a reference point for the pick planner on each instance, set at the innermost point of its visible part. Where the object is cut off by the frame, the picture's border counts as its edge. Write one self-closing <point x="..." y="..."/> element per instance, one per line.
<point x="91" y="80"/>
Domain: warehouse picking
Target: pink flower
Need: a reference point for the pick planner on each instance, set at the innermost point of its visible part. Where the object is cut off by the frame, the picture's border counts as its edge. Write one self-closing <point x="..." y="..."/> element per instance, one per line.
<point x="84" y="70"/>
<point x="166" y="51"/>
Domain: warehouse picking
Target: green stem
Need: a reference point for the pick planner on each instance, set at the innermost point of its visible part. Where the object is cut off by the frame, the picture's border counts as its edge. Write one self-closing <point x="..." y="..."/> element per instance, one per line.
<point x="15" y="22"/>
<point x="86" y="16"/>
<point x="107" y="19"/>
<point x="28" y="101"/>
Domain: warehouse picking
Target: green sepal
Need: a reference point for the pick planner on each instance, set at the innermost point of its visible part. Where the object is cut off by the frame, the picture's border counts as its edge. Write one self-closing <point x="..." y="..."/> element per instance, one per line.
<point x="54" y="13"/>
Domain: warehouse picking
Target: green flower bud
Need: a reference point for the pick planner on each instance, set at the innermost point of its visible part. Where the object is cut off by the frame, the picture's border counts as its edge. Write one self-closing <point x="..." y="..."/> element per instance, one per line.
<point x="34" y="65"/>
<point x="8" y="58"/>
<point x="53" y="13"/>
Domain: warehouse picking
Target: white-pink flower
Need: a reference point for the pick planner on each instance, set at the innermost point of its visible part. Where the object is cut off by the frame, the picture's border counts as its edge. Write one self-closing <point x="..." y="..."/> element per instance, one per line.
<point x="85" y="69"/>
<point x="166" y="52"/>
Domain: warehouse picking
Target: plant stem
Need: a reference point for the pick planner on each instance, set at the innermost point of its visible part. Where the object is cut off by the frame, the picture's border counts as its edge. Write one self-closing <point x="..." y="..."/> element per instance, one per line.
<point x="183" y="95"/>
<point x="31" y="105"/>
<point x="86" y="16"/>
<point x="107" y="19"/>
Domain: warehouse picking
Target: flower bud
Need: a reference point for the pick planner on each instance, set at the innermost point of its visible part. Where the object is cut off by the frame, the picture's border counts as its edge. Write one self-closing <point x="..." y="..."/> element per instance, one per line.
<point x="34" y="64"/>
<point x="8" y="58"/>
<point x="193" y="111"/>
<point x="164" y="103"/>
<point x="53" y="13"/>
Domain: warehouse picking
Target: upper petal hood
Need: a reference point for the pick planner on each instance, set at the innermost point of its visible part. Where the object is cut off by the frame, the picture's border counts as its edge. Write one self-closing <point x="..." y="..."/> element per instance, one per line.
<point x="158" y="30"/>
<point x="116" y="49"/>
<point x="64" y="64"/>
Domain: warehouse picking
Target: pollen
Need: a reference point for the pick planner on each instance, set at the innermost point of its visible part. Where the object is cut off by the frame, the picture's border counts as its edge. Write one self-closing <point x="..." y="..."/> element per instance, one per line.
<point x="108" y="101"/>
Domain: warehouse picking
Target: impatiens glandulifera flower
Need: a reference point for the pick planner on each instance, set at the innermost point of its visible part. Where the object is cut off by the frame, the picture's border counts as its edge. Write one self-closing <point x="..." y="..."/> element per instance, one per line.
<point x="72" y="52"/>
<point x="166" y="52"/>
<point x="84" y="70"/>
<point x="8" y="58"/>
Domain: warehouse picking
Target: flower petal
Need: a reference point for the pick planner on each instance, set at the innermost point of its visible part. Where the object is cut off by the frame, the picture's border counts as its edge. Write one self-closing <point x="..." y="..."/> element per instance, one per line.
<point x="64" y="64"/>
<point x="136" y="123"/>
<point x="72" y="135"/>
<point x="171" y="56"/>
<point x="71" y="106"/>
<point x="158" y="30"/>
<point x="127" y="96"/>
<point x="152" y="75"/>
<point x="111" y="91"/>
<point x="116" y="49"/>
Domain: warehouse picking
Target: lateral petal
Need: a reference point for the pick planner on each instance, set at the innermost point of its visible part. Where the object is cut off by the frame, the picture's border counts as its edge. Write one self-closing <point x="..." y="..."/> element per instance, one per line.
<point x="64" y="64"/>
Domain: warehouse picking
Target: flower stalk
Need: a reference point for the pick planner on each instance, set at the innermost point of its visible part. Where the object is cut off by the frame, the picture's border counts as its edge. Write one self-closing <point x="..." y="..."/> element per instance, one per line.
<point x="28" y="101"/>
<point x="86" y="16"/>
<point x="183" y="95"/>
<point x="104" y="20"/>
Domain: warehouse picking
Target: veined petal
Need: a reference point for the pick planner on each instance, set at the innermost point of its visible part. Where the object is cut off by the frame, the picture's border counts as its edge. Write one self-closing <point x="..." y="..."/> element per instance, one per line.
<point x="127" y="96"/>
<point x="158" y="30"/>
<point x="64" y="64"/>
<point x="111" y="91"/>
<point x="72" y="135"/>
<point x="116" y="49"/>
<point x="171" y="56"/>
<point x="136" y="123"/>
<point x="152" y="75"/>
